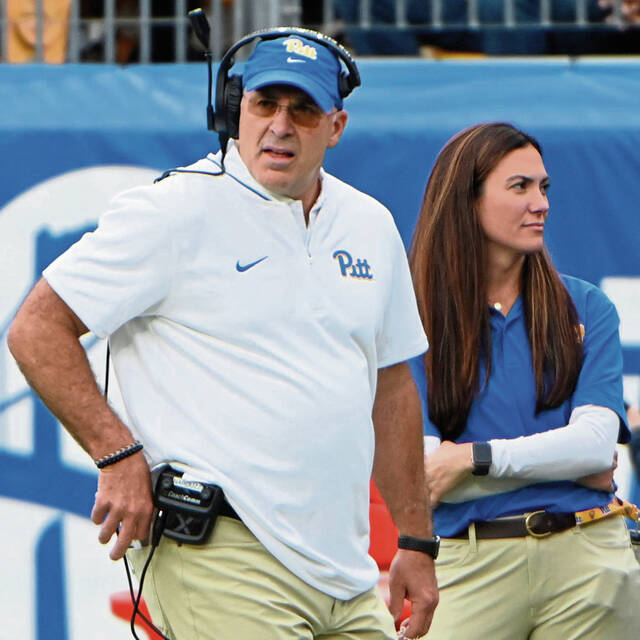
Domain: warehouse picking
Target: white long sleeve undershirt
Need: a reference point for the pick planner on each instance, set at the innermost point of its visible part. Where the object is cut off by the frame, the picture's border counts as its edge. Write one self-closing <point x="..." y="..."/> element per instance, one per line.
<point x="585" y="446"/>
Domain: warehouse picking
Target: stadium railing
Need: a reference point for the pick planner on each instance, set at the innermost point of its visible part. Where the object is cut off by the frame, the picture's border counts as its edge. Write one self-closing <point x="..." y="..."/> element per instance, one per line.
<point x="95" y="30"/>
<point x="123" y="31"/>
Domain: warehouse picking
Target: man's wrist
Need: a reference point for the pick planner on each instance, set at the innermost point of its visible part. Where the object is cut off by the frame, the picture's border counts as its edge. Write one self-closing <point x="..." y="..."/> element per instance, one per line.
<point x="414" y="519"/>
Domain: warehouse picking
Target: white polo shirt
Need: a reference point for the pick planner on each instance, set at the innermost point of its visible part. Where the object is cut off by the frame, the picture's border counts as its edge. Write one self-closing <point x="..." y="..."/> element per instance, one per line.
<point x="247" y="345"/>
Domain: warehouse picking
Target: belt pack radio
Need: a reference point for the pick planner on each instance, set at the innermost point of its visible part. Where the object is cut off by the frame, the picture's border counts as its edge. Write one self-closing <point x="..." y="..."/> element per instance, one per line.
<point x="187" y="509"/>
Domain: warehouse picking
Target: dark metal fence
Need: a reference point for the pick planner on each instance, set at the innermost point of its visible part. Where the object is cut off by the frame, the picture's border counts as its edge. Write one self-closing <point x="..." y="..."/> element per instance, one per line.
<point x="124" y="31"/>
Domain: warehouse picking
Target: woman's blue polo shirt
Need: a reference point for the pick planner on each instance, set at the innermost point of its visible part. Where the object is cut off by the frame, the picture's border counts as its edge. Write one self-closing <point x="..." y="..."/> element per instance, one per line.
<point x="505" y="407"/>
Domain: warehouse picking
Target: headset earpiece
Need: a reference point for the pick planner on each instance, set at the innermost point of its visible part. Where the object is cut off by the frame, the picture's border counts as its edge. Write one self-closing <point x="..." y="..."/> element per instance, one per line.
<point x="232" y="98"/>
<point x="344" y="86"/>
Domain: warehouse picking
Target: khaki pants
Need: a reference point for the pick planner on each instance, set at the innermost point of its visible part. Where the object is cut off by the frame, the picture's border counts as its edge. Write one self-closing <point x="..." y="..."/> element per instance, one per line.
<point x="582" y="584"/>
<point x="232" y="588"/>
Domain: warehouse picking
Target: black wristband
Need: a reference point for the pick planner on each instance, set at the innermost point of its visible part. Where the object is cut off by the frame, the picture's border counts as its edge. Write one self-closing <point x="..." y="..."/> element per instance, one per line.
<point x="430" y="546"/>
<point x="121" y="454"/>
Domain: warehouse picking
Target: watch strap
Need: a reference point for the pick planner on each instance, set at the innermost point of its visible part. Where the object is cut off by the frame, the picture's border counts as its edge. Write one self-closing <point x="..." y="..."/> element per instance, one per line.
<point x="430" y="546"/>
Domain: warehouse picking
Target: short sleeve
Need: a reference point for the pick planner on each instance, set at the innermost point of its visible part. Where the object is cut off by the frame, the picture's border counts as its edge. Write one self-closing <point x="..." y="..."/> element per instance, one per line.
<point x="600" y="380"/>
<point x="122" y="268"/>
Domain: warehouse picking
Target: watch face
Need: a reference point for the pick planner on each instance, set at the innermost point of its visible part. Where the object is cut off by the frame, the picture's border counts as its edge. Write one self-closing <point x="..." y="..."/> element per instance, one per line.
<point x="481" y="458"/>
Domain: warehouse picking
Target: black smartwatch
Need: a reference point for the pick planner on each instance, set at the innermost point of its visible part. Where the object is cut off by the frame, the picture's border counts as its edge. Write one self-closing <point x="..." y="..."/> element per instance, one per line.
<point x="430" y="546"/>
<point x="481" y="458"/>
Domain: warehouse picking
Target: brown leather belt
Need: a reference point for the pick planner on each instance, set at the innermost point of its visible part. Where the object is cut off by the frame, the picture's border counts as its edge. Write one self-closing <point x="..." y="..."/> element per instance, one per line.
<point x="538" y="524"/>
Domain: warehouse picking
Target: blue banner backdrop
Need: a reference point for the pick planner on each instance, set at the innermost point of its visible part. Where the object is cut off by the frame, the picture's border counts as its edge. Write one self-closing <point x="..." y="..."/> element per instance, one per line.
<point x="70" y="136"/>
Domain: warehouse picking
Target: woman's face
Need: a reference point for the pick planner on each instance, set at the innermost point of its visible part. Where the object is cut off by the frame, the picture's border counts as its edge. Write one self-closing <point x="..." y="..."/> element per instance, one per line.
<point x="513" y="205"/>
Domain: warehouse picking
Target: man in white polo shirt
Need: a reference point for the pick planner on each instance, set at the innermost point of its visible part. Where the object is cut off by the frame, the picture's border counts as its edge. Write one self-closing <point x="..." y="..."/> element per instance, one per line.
<point x="260" y="314"/>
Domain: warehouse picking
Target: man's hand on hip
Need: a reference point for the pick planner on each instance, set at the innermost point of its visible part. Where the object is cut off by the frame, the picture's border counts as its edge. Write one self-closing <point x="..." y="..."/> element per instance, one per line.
<point x="124" y="503"/>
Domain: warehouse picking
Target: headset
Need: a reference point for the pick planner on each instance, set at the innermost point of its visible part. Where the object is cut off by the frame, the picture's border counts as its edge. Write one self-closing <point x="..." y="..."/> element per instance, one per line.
<point x="226" y="117"/>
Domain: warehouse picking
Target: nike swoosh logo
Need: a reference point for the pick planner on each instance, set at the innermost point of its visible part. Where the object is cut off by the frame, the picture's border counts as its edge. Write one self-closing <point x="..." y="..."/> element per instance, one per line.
<point x="290" y="59"/>
<point x="244" y="267"/>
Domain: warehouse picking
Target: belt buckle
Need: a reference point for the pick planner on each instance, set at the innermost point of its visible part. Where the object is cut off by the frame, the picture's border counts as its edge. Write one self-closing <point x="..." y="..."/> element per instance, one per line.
<point x="527" y="526"/>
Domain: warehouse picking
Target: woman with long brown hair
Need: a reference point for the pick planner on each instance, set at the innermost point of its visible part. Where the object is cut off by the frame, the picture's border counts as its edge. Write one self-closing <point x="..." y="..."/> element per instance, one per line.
<point x="522" y="404"/>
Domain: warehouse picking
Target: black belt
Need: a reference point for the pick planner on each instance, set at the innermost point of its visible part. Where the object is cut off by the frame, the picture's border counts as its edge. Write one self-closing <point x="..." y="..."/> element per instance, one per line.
<point x="538" y="524"/>
<point x="227" y="510"/>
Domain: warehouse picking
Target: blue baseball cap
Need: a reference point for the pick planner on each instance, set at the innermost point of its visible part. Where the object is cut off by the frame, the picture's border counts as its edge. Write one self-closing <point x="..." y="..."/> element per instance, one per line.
<point x="297" y="61"/>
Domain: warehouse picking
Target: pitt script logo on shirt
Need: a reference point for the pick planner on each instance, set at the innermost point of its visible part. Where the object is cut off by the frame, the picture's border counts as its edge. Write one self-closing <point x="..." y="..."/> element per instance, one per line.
<point x="348" y="268"/>
<point x="294" y="45"/>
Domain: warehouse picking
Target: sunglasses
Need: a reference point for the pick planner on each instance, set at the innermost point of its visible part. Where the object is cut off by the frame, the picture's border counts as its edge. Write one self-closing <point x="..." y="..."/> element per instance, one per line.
<point x="303" y="113"/>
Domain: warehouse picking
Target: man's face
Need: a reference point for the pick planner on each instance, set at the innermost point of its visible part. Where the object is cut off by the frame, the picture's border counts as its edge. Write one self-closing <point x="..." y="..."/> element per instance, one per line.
<point x="283" y="137"/>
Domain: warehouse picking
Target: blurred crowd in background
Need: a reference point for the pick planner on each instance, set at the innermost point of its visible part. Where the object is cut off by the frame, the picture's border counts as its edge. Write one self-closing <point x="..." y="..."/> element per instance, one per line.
<point x="130" y="31"/>
<point x="494" y="27"/>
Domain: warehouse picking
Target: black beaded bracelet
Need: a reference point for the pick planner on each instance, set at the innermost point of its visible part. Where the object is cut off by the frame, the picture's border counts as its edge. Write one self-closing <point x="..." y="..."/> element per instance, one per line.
<point x="121" y="454"/>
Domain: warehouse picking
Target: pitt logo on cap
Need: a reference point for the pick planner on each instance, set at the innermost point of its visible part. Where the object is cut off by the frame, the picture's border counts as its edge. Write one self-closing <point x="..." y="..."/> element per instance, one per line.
<point x="294" y="45"/>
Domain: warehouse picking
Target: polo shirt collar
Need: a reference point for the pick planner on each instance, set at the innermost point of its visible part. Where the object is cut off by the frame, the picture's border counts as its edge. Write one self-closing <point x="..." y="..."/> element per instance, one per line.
<point x="514" y="313"/>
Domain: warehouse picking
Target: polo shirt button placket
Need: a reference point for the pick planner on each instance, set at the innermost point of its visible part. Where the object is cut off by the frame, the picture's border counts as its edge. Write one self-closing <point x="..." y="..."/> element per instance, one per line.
<point x="498" y="323"/>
